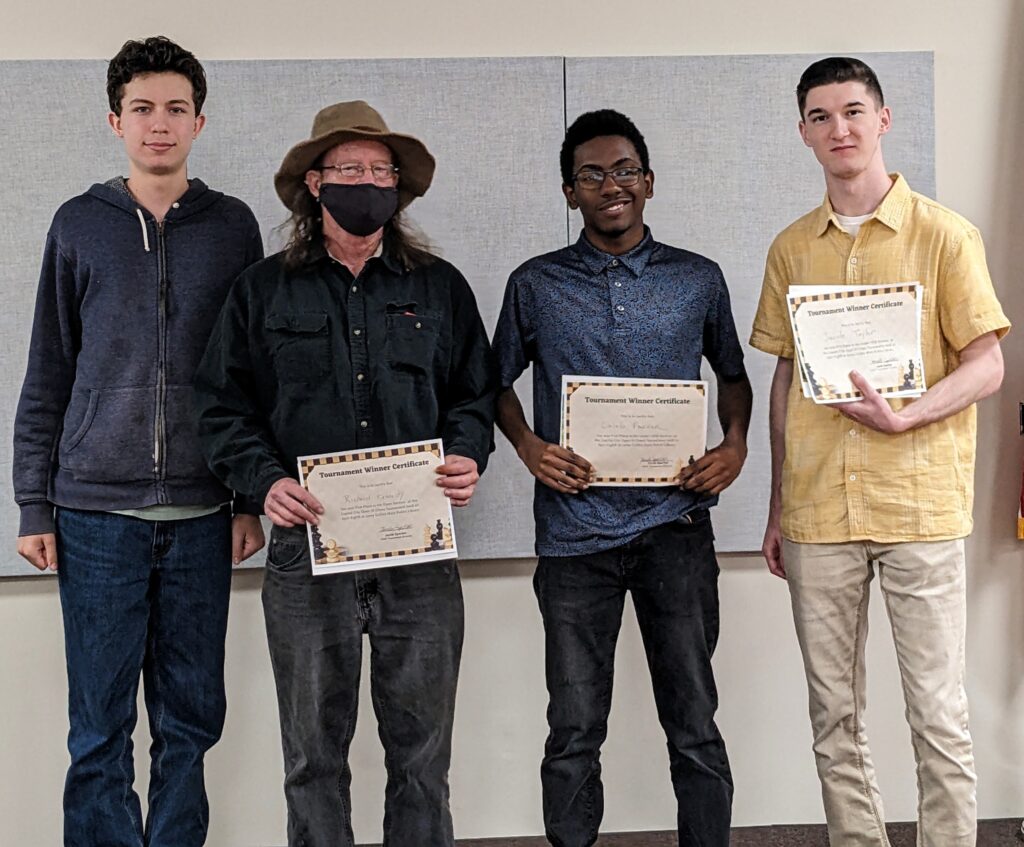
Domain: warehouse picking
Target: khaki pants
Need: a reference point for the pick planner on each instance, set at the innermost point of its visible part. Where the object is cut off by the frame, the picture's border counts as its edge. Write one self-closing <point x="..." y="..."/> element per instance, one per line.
<point x="923" y="584"/>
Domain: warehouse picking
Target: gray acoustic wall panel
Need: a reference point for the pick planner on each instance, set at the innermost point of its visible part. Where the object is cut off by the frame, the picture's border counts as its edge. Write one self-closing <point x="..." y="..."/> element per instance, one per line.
<point x="730" y="173"/>
<point x="494" y="125"/>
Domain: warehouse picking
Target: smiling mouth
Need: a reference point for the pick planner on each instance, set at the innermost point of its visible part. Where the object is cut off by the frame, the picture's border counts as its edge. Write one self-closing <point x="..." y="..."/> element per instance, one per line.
<point x="617" y="206"/>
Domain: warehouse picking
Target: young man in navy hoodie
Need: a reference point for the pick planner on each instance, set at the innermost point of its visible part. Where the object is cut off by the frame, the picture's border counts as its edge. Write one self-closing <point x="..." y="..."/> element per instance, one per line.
<point x="114" y="493"/>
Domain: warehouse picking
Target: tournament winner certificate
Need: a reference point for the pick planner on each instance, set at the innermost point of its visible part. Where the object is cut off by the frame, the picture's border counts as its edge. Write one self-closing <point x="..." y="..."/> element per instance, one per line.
<point x="638" y="432"/>
<point x="382" y="507"/>
<point x="876" y="331"/>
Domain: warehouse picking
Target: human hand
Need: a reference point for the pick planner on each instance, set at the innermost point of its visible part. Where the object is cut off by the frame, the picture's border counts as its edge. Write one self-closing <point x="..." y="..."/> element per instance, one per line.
<point x="556" y="467"/>
<point x="246" y="537"/>
<point x="289" y="504"/>
<point x="39" y="550"/>
<point x="458" y="478"/>
<point x="715" y="471"/>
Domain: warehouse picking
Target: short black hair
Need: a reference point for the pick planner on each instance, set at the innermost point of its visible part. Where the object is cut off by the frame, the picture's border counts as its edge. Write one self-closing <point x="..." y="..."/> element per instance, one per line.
<point x="596" y="125"/>
<point x="153" y="56"/>
<point x="837" y="69"/>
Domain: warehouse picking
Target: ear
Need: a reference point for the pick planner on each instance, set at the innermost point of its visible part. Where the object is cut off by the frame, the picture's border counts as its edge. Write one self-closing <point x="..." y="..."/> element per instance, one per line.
<point x="649" y="179"/>
<point x="802" y="129"/>
<point x="570" y="196"/>
<point x="884" y="120"/>
<point x="115" y="124"/>
<point x="200" y="123"/>
<point x="313" y="183"/>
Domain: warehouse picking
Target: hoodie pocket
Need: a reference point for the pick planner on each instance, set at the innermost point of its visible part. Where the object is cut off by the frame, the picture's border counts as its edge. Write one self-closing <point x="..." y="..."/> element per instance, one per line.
<point x="108" y="434"/>
<point x="300" y="345"/>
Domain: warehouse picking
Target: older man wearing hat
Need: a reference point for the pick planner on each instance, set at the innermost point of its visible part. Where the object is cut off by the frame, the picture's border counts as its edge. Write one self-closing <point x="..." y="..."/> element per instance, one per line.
<point x="354" y="336"/>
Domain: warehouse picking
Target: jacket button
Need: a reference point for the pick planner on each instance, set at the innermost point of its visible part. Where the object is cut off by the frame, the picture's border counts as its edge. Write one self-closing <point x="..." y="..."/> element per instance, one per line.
<point x="419" y="325"/>
<point x="363" y="424"/>
<point x="357" y="332"/>
<point x="360" y="377"/>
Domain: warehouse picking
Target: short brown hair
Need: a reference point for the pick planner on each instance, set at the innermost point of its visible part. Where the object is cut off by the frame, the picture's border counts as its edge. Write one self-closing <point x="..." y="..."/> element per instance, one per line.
<point x="837" y="69"/>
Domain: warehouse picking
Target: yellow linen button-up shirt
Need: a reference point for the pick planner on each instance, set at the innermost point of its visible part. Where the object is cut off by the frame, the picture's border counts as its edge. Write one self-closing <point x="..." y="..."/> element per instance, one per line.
<point x="842" y="481"/>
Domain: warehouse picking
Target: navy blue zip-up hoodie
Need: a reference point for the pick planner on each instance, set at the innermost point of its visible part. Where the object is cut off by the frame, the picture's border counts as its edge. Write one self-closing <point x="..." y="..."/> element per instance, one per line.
<point x="124" y="309"/>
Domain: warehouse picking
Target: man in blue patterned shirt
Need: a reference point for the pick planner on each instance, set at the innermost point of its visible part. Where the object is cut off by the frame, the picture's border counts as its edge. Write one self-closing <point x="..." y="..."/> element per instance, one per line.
<point x="618" y="303"/>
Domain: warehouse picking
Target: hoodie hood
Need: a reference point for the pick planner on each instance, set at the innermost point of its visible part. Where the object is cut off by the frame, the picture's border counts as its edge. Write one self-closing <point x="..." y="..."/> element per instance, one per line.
<point x="196" y="198"/>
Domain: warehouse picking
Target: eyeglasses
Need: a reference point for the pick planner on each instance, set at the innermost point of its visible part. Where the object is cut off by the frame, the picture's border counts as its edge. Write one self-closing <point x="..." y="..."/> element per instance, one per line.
<point x="591" y="180"/>
<point x="354" y="171"/>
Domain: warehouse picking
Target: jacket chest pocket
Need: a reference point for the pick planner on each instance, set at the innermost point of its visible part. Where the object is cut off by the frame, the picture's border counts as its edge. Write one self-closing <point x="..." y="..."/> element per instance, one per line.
<point x="411" y="343"/>
<point x="300" y="345"/>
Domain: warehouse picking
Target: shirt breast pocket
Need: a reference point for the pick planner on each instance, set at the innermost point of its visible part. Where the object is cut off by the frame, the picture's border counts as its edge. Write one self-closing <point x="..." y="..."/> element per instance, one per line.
<point x="300" y="345"/>
<point x="411" y="342"/>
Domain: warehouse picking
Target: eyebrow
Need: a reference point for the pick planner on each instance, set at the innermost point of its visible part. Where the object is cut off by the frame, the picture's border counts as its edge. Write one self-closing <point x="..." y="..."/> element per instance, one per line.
<point x="145" y="101"/>
<point x="820" y="110"/>
<point x="594" y="167"/>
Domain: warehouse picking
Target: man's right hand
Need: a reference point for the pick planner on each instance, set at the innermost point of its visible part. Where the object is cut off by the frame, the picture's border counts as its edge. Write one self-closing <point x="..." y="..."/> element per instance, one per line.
<point x="40" y="550"/>
<point x="555" y="466"/>
<point x="771" y="549"/>
<point x="289" y="504"/>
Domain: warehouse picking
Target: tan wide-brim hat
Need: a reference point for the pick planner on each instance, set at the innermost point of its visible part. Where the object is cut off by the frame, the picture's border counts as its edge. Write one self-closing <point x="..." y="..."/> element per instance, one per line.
<point x="352" y="121"/>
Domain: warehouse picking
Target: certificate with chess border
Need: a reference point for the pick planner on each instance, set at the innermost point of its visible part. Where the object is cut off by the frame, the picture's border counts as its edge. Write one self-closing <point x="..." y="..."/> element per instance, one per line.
<point x="874" y="330"/>
<point x="382" y="508"/>
<point x="634" y="431"/>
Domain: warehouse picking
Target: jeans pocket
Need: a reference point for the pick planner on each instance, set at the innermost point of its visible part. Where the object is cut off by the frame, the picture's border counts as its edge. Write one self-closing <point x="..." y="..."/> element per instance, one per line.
<point x="288" y="553"/>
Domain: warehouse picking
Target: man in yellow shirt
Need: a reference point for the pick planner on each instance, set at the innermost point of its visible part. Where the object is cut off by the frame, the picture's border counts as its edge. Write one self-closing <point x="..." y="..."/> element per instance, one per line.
<point x="879" y="484"/>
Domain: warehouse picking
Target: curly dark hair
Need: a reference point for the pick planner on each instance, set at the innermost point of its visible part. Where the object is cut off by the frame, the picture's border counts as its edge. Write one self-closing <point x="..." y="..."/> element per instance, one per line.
<point x="153" y="55"/>
<point x="592" y="125"/>
<point x="837" y="69"/>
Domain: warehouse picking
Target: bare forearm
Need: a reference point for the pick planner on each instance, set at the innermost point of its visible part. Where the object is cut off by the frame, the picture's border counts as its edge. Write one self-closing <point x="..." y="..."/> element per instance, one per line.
<point x="778" y="402"/>
<point x="511" y="419"/>
<point x="735" y="400"/>
<point x="979" y="374"/>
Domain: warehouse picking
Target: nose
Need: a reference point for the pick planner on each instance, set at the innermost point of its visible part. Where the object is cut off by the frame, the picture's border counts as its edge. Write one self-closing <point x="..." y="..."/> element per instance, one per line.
<point x="840" y="128"/>
<point x="609" y="187"/>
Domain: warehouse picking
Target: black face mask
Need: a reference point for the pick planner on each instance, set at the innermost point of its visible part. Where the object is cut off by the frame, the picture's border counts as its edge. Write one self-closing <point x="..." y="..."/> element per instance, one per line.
<point x="359" y="209"/>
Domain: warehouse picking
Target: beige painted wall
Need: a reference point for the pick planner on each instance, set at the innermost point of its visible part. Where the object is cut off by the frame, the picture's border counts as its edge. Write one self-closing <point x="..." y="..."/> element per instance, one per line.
<point x="500" y="725"/>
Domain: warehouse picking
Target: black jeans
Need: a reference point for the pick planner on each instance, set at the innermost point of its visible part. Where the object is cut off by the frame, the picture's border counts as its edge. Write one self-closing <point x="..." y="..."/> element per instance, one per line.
<point x="672" y="574"/>
<point x="315" y="626"/>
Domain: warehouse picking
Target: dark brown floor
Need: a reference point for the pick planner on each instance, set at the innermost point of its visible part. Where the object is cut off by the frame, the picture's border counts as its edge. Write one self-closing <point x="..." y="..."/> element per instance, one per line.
<point x="995" y="833"/>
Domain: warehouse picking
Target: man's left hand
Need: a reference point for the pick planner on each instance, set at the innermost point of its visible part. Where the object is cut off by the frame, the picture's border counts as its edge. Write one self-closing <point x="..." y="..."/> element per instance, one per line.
<point x="715" y="471"/>
<point x="458" y="478"/>
<point x="872" y="411"/>
<point x="246" y="537"/>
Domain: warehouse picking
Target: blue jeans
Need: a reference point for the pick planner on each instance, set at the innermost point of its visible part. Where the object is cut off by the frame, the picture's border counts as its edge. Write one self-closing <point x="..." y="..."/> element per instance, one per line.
<point x="315" y="626"/>
<point x="672" y="574"/>
<point x="152" y="598"/>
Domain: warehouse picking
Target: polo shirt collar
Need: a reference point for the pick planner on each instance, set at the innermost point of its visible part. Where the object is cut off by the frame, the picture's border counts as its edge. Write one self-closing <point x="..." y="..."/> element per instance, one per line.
<point x="597" y="261"/>
<point x="889" y="212"/>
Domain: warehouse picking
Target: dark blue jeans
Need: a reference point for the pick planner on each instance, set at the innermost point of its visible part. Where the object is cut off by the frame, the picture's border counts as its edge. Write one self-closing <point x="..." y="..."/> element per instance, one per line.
<point x="151" y="598"/>
<point x="315" y="626"/>
<point x="672" y="574"/>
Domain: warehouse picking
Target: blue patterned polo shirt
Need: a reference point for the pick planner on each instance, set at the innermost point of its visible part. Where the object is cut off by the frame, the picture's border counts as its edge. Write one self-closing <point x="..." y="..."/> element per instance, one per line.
<point x="653" y="312"/>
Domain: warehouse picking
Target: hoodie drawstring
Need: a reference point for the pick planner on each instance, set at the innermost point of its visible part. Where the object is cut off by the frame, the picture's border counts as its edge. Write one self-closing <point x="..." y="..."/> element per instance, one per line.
<point x="145" y="231"/>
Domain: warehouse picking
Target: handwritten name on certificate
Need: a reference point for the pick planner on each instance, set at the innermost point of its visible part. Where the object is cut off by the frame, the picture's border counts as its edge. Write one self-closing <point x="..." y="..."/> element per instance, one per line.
<point x="876" y="331"/>
<point x="382" y="507"/>
<point x="638" y="432"/>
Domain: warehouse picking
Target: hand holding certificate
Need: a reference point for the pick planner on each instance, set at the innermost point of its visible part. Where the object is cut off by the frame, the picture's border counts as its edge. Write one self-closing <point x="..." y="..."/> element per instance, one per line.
<point x="875" y="331"/>
<point x="637" y="432"/>
<point x="382" y="507"/>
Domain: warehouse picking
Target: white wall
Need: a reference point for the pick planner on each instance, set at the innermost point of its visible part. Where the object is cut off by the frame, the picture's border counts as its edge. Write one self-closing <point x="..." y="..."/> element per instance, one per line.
<point x="500" y="724"/>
